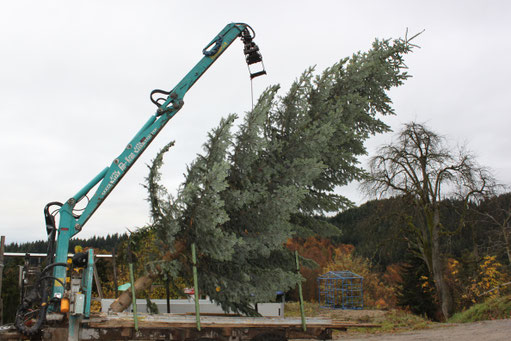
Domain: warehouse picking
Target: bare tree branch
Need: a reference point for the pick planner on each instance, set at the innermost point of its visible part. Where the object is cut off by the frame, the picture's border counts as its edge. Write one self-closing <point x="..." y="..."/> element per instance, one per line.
<point x="422" y="167"/>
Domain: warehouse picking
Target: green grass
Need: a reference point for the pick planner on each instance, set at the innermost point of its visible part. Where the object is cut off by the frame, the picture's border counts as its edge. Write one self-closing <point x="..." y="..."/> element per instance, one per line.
<point x="292" y="309"/>
<point x="389" y="321"/>
<point x="395" y="321"/>
<point x="399" y="320"/>
<point x="491" y="309"/>
<point x="392" y="321"/>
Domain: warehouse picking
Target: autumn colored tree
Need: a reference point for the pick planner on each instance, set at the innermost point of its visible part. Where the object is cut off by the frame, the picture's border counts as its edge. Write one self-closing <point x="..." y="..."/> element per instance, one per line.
<point x="377" y="293"/>
<point x="484" y="282"/>
<point x="321" y="252"/>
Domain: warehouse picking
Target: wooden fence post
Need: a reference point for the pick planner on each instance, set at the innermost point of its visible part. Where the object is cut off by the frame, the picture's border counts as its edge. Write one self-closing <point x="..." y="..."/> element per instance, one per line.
<point x="114" y="268"/>
<point x="196" y="287"/>
<point x="300" y="295"/>
<point x="2" y="249"/>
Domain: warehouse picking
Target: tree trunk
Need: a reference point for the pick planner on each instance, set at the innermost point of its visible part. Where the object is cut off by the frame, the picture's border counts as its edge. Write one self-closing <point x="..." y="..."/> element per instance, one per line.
<point x="441" y="285"/>
<point x="124" y="300"/>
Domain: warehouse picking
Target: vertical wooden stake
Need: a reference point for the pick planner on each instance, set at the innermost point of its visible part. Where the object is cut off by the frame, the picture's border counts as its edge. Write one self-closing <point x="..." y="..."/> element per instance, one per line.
<point x="133" y="297"/>
<point x="132" y="281"/>
<point x="2" y="248"/>
<point x="167" y="293"/>
<point x="302" y="311"/>
<point x="114" y="268"/>
<point x="196" y="286"/>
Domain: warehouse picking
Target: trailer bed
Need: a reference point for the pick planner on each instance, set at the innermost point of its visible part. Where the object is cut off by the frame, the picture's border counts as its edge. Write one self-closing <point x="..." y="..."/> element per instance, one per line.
<point x="121" y="326"/>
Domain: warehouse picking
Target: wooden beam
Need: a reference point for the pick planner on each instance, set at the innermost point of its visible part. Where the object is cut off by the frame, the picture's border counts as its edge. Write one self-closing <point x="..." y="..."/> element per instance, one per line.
<point x="187" y="321"/>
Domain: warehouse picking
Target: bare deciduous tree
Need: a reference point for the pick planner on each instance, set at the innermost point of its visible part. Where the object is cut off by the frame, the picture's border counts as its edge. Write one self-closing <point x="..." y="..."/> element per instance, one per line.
<point x="423" y="168"/>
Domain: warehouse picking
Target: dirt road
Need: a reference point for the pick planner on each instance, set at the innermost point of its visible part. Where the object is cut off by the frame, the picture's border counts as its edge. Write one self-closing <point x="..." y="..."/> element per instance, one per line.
<point x="496" y="330"/>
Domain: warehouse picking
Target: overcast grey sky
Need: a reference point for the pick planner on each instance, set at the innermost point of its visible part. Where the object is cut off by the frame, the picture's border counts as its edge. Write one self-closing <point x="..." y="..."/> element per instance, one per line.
<point x="75" y="79"/>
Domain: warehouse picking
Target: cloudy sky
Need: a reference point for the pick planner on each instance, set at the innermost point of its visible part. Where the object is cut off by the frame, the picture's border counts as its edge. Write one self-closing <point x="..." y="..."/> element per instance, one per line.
<point x="75" y="79"/>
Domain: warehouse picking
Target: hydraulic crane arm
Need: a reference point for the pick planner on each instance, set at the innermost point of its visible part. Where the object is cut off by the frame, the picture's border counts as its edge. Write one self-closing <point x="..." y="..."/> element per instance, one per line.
<point x="70" y="224"/>
<point x="169" y="103"/>
<point x="167" y="108"/>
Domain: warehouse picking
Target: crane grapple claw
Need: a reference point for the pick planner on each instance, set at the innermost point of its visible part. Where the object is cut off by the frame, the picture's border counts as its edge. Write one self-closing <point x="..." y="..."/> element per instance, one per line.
<point x="252" y="54"/>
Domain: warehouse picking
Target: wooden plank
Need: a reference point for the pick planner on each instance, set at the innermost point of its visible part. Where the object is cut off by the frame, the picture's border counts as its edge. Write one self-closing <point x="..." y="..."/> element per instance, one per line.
<point x="186" y="321"/>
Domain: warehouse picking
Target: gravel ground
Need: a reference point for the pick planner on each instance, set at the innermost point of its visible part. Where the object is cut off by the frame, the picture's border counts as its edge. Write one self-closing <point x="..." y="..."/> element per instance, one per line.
<point x="496" y="330"/>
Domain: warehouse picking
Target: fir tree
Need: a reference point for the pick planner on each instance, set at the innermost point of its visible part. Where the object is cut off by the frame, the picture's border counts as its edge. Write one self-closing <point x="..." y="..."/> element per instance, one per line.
<point x="417" y="291"/>
<point x="249" y="193"/>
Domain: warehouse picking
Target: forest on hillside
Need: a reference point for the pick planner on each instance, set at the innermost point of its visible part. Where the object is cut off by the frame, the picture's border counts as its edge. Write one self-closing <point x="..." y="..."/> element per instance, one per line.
<point x="370" y="240"/>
